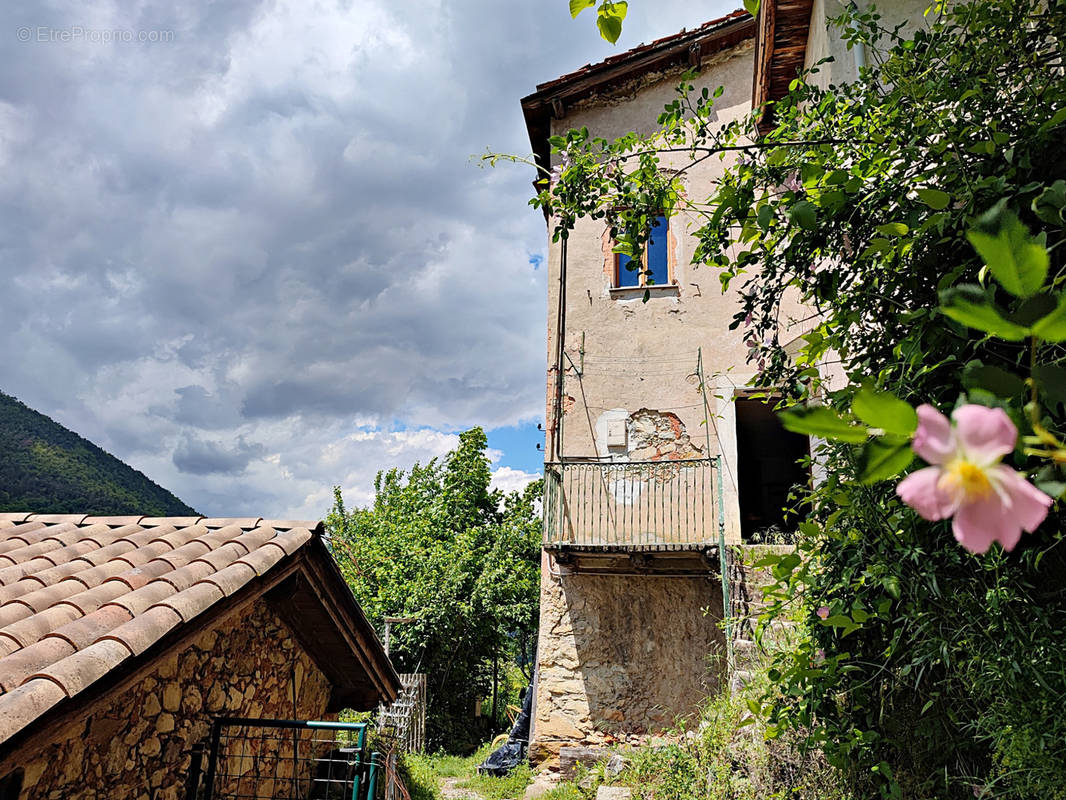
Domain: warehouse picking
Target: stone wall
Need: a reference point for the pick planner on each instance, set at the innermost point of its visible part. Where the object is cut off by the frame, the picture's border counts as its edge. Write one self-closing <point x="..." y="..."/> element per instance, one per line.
<point x="622" y="656"/>
<point x="137" y="745"/>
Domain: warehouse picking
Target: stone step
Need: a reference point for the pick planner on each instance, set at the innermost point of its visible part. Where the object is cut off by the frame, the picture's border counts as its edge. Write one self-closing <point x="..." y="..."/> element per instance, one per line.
<point x="739" y="679"/>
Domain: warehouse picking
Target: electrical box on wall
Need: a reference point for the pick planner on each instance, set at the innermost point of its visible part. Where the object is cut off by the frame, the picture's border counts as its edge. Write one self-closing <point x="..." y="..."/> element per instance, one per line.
<point x="616" y="433"/>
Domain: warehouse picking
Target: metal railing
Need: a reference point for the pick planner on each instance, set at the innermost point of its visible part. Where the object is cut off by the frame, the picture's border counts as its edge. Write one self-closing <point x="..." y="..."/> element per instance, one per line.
<point x="630" y="504"/>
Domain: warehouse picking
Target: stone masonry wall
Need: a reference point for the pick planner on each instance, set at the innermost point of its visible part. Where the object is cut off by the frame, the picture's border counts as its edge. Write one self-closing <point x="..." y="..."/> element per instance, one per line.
<point x="137" y="747"/>
<point x="623" y="656"/>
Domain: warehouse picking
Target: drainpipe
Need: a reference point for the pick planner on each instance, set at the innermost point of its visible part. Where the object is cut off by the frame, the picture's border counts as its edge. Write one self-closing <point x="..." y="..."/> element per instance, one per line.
<point x="560" y="344"/>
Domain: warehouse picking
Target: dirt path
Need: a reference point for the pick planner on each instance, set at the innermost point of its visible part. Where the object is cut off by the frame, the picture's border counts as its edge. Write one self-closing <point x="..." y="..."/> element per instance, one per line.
<point x="449" y="790"/>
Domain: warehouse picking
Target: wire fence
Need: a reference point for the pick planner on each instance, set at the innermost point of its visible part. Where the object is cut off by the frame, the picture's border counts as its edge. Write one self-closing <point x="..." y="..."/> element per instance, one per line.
<point x="405" y="720"/>
<point x="272" y="759"/>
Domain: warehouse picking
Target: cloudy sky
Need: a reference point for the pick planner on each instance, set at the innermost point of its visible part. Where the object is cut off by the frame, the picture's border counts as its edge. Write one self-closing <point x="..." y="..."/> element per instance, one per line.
<point x="251" y="255"/>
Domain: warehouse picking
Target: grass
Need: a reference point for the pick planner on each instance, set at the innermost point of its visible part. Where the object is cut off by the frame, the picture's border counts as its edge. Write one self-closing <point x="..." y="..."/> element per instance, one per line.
<point x="509" y="787"/>
<point x="427" y="771"/>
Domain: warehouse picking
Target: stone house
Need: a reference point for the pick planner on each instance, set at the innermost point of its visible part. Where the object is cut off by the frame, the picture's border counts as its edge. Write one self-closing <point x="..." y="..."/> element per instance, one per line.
<point x="121" y="638"/>
<point x="660" y="464"/>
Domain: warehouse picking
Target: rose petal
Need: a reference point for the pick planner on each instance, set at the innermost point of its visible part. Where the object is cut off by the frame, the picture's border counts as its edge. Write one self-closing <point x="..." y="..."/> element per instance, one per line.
<point x="985" y="435"/>
<point x="920" y="491"/>
<point x="1028" y="505"/>
<point x="978" y="524"/>
<point x="933" y="440"/>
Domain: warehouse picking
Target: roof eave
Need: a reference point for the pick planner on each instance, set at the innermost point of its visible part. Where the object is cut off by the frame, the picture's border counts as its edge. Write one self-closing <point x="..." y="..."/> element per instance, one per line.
<point x="782" y="30"/>
<point x="612" y="76"/>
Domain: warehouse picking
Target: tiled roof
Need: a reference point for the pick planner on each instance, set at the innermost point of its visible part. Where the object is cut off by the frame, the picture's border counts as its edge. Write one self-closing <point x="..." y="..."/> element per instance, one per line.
<point x="684" y="49"/>
<point x="642" y="49"/>
<point x="80" y="595"/>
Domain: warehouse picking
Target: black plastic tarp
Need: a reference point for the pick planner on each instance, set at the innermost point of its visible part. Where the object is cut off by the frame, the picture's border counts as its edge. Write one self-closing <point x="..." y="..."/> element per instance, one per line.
<point x="512" y="752"/>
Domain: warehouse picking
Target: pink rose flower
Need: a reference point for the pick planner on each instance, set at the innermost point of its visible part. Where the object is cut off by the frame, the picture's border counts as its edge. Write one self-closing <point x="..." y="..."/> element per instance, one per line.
<point x="823" y="611"/>
<point x="990" y="502"/>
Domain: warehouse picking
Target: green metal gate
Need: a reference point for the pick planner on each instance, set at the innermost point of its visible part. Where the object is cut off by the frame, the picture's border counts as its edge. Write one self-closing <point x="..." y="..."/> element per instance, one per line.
<point x="284" y="759"/>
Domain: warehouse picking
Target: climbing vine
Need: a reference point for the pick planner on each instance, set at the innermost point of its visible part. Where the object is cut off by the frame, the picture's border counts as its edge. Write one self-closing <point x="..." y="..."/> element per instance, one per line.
<point x="918" y="214"/>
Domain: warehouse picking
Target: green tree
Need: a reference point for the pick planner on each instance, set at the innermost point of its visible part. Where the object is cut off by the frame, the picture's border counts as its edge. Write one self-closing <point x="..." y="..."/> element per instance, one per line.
<point x="885" y="205"/>
<point x="440" y="546"/>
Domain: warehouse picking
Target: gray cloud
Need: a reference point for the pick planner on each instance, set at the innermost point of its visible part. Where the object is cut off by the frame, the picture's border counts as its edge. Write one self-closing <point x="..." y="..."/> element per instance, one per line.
<point x="260" y="251"/>
<point x="203" y="457"/>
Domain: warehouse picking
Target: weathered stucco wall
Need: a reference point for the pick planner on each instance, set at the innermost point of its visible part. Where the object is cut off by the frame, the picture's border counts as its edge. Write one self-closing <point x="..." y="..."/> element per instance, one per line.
<point x="622" y="655"/>
<point x="824" y="41"/>
<point x="137" y="746"/>
<point x="627" y="357"/>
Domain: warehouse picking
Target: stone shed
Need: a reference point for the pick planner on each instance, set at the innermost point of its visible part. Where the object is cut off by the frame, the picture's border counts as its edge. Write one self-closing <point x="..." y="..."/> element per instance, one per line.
<point x="121" y="638"/>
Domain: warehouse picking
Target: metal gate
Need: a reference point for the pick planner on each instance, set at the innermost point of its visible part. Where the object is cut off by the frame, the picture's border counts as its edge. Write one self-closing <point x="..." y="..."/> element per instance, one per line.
<point x="284" y="759"/>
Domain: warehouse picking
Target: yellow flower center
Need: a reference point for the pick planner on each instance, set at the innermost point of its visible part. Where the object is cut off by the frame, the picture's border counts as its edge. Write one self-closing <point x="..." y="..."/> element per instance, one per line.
<point x="967" y="477"/>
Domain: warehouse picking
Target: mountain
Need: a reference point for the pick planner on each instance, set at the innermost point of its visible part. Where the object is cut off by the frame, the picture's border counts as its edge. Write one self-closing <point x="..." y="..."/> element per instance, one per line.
<point x="47" y="469"/>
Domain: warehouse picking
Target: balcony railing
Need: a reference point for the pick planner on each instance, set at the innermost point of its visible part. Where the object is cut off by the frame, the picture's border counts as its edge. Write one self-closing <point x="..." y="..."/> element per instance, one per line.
<point x="655" y="505"/>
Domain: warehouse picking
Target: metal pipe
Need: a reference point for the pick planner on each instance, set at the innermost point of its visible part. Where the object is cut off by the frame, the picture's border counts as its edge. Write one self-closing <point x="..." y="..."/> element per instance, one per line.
<point x="560" y="349"/>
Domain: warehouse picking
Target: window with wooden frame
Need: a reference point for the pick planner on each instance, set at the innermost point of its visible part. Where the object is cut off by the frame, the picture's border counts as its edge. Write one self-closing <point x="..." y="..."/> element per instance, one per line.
<point x="654" y="266"/>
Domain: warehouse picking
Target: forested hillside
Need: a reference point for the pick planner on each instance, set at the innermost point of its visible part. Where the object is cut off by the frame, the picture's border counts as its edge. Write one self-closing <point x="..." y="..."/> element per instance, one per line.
<point x="46" y="468"/>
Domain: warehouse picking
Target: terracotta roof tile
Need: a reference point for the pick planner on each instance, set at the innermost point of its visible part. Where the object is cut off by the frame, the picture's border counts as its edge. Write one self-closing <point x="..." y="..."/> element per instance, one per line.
<point x="144" y="598"/>
<point x="263" y="559"/>
<point x="231" y="578"/>
<point x="177" y="522"/>
<point x="190" y="602"/>
<point x="291" y="540"/>
<point x="241" y="522"/>
<point x="27" y="631"/>
<point x="184" y="577"/>
<point x="83" y="631"/>
<point x="48" y="596"/>
<point x="79" y="670"/>
<point x="146" y="629"/>
<point x="12" y="536"/>
<point x="78" y="595"/>
<point x="21" y="706"/>
<point x="113" y="521"/>
<point x="91" y="599"/>
<point x="18" y="666"/>
<point x="55" y="519"/>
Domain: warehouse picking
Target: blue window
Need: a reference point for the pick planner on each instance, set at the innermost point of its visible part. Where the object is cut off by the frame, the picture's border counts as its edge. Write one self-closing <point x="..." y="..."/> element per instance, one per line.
<point x="655" y="261"/>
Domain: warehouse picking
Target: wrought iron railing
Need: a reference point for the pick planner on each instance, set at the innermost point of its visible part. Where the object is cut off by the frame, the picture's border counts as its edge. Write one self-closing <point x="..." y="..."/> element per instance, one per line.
<point x="630" y="504"/>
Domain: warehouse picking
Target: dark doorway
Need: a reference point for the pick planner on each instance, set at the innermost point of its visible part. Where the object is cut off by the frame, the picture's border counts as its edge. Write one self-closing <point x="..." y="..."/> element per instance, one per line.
<point x="767" y="469"/>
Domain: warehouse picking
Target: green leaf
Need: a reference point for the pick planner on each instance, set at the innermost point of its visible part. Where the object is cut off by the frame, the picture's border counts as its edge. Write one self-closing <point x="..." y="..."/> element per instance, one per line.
<point x="1050" y="204"/>
<point x="823" y="422"/>
<point x="577" y="6"/>
<point x="804" y="214"/>
<point x="610" y="26"/>
<point x="751" y="6"/>
<point x="883" y="459"/>
<point x="1015" y="259"/>
<point x="838" y="621"/>
<point x="1052" y="328"/>
<point x="971" y="306"/>
<point x="1032" y="309"/>
<point x="934" y="198"/>
<point x="1052" y="382"/>
<point x="885" y="411"/>
<point x="1058" y="118"/>
<point x="892" y="229"/>
<point x="999" y="382"/>
<point x="765" y="214"/>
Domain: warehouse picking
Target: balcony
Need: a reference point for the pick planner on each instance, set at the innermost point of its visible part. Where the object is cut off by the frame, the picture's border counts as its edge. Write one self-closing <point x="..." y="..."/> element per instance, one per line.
<point x="644" y="515"/>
